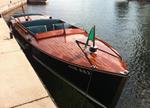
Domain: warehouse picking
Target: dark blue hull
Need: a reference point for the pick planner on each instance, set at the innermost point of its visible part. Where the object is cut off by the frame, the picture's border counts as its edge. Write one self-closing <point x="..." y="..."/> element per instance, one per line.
<point x="102" y="88"/>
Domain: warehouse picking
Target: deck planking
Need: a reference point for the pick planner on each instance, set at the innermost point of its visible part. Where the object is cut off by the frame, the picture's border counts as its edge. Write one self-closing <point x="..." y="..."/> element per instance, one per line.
<point x="70" y="52"/>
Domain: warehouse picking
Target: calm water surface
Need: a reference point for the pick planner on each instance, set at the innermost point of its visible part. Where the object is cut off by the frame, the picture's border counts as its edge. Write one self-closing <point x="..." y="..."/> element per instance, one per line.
<point x="125" y="25"/>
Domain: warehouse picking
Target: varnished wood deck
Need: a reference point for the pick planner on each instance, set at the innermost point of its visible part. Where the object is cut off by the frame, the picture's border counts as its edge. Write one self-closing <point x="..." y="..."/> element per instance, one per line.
<point x="62" y="45"/>
<point x="66" y="48"/>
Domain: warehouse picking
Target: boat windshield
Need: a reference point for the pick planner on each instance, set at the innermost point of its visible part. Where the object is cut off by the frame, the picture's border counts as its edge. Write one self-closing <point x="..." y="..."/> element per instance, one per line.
<point x="45" y="25"/>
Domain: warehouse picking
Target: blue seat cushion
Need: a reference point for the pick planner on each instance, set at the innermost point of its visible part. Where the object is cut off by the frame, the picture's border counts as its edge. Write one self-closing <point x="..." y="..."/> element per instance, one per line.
<point x="37" y="29"/>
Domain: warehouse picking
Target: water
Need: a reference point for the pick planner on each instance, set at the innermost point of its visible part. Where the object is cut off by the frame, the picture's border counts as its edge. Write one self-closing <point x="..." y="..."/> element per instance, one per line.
<point x="125" y="25"/>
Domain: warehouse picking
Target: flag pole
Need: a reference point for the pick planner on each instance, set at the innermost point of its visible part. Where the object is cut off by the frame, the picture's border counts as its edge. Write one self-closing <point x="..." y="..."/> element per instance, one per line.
<point x="64" y="32"/>
<point x="94" y="38"/>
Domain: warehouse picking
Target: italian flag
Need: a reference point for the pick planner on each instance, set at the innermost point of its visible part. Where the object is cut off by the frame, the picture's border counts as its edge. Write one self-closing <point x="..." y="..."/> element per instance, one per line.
<point x="91" y="37"/>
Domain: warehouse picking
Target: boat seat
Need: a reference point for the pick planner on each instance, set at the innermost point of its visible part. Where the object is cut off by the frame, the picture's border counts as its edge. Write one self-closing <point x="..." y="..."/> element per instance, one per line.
<point x="45" y="25"/>
<point x="59" y="26"/>
<point x="38" y="29"/>
<point x="46" y="22"/>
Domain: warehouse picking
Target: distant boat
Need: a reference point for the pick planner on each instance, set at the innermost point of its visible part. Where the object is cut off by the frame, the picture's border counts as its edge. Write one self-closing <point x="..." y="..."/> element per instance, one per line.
<point x="122" y="0"/>
<point x="81" y="59"/>
<point x="36" y="1"/>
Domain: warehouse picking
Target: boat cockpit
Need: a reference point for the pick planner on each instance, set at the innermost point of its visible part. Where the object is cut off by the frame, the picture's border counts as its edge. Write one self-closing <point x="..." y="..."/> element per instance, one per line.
<point x="45" y="25"/>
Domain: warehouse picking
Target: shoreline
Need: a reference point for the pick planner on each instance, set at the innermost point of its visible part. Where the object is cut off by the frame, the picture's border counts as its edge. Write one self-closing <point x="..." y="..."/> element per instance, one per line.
<point x="9" y="5"/>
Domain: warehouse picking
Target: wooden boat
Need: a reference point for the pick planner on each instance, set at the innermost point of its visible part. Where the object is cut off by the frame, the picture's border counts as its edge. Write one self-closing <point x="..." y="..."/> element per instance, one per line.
<point x="36" y="1"/>
<point x="81" y="59"/>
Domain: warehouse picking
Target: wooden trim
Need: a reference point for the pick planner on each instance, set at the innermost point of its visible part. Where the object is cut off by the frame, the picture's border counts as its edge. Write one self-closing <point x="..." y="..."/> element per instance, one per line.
<point x="57" y="33"/>
<point x="109" y="46"/>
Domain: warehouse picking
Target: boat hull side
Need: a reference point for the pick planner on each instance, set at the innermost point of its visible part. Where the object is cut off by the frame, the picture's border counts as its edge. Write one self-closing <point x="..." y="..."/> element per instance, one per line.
<point x="103" y="88"/>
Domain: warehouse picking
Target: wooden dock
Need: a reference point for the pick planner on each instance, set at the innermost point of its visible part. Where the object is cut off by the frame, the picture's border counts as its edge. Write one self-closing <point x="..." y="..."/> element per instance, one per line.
<point x="20" y="86"/>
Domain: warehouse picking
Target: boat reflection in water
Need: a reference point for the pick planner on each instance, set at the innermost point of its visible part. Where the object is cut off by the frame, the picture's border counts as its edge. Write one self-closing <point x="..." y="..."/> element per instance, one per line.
<point x="88" y="64"/>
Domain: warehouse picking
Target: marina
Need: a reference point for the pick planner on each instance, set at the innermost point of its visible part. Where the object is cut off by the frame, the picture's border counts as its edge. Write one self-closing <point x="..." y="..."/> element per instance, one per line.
<point x="41" y="35"/>
<point x="124" y="25"/>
